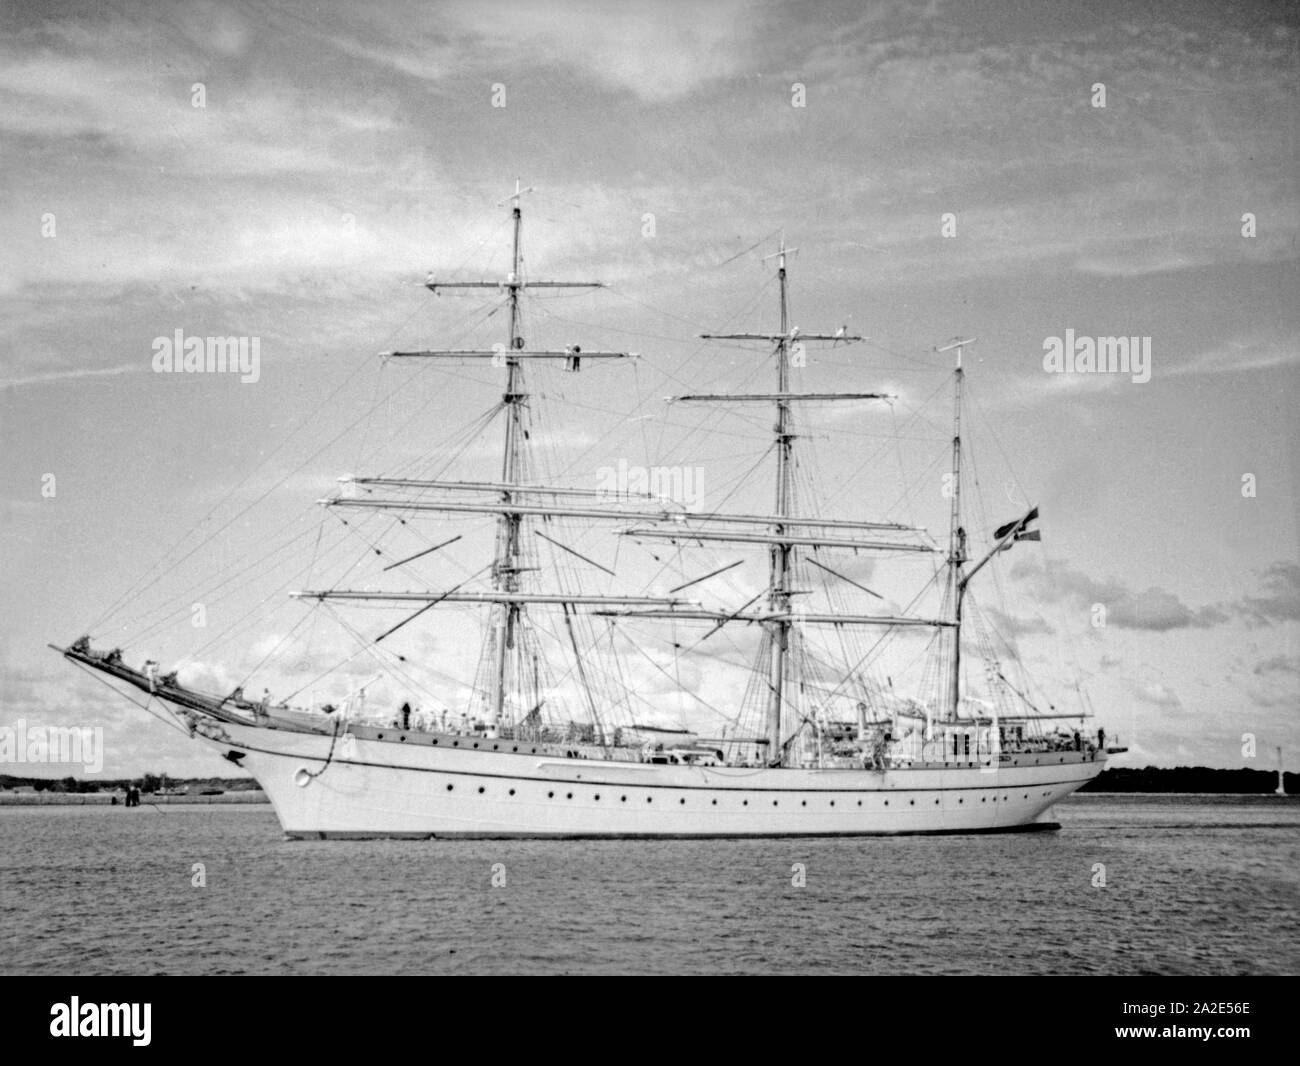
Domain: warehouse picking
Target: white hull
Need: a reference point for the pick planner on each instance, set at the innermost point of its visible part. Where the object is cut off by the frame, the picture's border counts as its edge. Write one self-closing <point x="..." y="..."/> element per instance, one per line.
<point x="369" y="787"/>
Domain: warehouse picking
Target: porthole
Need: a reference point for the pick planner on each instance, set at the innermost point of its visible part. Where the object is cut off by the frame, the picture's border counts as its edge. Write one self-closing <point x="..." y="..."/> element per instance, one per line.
<point x="803" y="803"/>
<point x="435" y="740"/>
<point x="476" y="743"/>
<point x="936" y="803"/>
<point x="622" y="799"/>
<point x="961" y="800"/>
<point x="886" y="803"/>
<point x="401" y="738"/>
<point x="832" y="803"/>
<point x="495" y="746"/>
<point x="682" y="800"/>
<point x="481" y="790"/>
<point x="744" y="803"/>
<point x="381" y="736"/>
<point x="568" y="795"/>
<point x="550" y="795"/>
<point x="450" y="787"/>
<point x="597" y="797"/>
<point x="774" y="803"/>
<point x="515" y="748"/>
<point x="715" y="803"/>
<point x="859" y="803"/>
<point x="455" y="743"/>
<point x="512" y="792"/>
<point x="649" y="799"/>
<point x="912" y="802"/>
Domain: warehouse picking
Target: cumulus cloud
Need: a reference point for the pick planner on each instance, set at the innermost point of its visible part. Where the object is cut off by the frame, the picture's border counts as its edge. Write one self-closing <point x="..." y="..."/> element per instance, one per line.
<point x="655" y="51"/>
<point x="1281" y="599"/>
<point x="1158" y="695"/>
<point x="1013" y="626"/>
<point x="1278" y="664"/>
<point x="1055" y="581"/>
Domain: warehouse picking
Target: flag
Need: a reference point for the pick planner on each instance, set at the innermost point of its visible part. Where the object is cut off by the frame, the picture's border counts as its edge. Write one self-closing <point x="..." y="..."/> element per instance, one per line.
<point x="1018" y="528"/>
<point x="1002" y="531"/>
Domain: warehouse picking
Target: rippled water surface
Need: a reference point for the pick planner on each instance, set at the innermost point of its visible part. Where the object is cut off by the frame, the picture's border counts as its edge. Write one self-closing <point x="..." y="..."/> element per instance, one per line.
<point x="1193" y="885"/>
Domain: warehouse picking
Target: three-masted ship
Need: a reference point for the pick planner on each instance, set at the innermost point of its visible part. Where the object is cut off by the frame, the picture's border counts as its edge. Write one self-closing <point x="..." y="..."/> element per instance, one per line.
<point x="817" y="746"/>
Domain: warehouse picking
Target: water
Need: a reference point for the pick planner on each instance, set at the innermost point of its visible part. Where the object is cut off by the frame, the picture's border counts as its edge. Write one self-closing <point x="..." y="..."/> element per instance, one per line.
<point x="1193" y="885"/>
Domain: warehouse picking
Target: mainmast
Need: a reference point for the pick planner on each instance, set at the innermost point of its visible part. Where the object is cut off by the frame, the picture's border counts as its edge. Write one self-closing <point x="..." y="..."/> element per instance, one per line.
<point x="781" y="551"/>
<point x="956" y="534"/>
<point x="782" y="546"/>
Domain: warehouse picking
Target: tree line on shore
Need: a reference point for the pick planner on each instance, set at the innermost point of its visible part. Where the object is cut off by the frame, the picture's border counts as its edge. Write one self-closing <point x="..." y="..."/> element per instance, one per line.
<point x="148" y="784"/>
<point x="1188" y="779"/>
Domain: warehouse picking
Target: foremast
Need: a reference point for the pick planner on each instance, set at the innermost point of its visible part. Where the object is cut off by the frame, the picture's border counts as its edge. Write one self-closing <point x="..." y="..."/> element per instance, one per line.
<point x="509" y="600"/>
<point x="505" y="564"/>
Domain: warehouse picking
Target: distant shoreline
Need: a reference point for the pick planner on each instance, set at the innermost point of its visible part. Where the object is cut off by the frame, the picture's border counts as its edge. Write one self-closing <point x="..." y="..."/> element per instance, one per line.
<point x="105" y="799"/>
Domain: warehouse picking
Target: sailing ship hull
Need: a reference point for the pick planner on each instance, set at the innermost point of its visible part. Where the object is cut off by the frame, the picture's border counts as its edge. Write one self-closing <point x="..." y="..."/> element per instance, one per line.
<point x="425" y="785"/>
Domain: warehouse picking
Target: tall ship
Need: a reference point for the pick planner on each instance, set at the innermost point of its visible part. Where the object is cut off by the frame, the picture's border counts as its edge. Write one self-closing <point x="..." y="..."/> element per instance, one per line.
<point x="551" y="728"/>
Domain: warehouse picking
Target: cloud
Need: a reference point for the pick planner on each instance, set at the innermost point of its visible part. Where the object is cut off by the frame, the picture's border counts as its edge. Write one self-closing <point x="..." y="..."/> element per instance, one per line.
<point x="1281" y="603"/>
<point x="657" y="51"/>
<point x="1256" y="353"/>
<point x="1155" y="609"/>
<point x="1054" y="581"/>
<point x="1011" y="626"/>
<point x="70" y="375"/>
<point x="1270" y="699"/>
<point x="1278" y="664"/>
<point x="1158" y="695"/>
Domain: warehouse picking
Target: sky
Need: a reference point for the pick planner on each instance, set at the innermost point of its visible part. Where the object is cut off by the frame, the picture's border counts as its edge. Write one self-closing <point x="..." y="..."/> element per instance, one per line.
<point x="1004" y="170"/>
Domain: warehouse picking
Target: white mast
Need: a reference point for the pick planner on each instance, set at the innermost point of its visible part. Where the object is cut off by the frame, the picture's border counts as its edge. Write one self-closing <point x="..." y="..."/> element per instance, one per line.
<point x="779" y="619"/>
<point x="780" y="552"/>
<point x="505" y="567"/>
